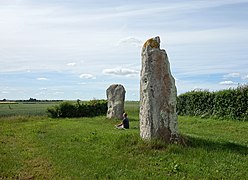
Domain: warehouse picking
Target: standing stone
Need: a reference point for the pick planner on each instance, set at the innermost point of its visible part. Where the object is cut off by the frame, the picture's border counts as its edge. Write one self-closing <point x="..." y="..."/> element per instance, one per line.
<point x="116" y="99"/>
<point x="158" y="117"/>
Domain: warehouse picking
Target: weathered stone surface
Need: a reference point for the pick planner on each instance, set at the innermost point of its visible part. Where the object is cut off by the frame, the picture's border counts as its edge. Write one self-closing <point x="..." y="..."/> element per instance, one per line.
<point x="158" y="117"/>
<point x="116" y="99"/>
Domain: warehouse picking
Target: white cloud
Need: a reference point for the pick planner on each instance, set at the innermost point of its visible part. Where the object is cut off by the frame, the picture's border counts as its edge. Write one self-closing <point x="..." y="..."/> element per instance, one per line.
<point x="131" y="41"/>
<point x="227" y="83"/>
<point x="146" y="9"/>
<point x="245" y="77"/>
<point x="71" y="64"/>
<point x="59" y="92"/>
<point x="210" y="35"/>
<point x="232" y="75"/>
<point x="42" y="79"/>
<point x="118" y="71"/>
<point x="43" y="89"/>
<point x="4" y="92"/>
<point x="87" y="76"/>
<point x="82" y="83"/>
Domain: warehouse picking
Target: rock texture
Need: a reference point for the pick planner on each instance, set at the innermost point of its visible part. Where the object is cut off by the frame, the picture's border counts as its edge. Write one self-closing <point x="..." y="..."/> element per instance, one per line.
<point x="158" y="117"/>
<point x="116" y="99"/>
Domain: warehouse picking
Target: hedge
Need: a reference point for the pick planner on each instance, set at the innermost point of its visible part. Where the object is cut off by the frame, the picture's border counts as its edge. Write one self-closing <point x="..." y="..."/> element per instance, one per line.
<point x="224" y="104"/>
<point x="79" y="109"/>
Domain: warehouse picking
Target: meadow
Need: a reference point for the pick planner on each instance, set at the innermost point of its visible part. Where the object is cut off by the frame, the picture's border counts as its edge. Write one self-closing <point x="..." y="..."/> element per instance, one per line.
<point x="24" y="108"/>
<point x="38" y="147"/>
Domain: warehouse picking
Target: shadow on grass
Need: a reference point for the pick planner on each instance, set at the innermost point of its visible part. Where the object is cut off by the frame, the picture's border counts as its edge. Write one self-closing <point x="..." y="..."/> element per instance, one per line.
<point x="134" y="142"/>
<point x="196" y="142"/>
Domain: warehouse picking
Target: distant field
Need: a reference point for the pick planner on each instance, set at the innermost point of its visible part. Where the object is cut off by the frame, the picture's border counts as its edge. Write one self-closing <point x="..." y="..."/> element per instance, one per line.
<point x="39" y="108"/>
<point x="8" y="102"/>
<point x="24" y="108"/>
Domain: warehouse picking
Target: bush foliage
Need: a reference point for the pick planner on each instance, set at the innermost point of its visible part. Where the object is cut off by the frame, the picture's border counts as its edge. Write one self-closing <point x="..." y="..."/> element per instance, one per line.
<point x="80" y="109"/>
<point x="231" y="103"/>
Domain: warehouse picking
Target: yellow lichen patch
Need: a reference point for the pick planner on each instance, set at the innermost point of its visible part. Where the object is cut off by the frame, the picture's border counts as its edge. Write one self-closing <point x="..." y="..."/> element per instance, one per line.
<point x="152" y="43"/>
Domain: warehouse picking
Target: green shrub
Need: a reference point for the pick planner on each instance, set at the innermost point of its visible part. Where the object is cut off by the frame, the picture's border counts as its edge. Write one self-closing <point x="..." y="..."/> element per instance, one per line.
<point x="54" y="111"/>
<point x="231" y="103"/>
<point x="84" y="109"/>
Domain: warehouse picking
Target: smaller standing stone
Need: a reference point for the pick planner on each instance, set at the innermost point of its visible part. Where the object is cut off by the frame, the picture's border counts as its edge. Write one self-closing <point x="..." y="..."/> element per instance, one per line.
<point x="116" y="99"/>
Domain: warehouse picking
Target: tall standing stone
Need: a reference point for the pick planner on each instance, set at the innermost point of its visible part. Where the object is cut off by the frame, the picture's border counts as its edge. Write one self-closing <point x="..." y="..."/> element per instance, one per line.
<point x="158" y="117"/>
<point x="116" y="99"/>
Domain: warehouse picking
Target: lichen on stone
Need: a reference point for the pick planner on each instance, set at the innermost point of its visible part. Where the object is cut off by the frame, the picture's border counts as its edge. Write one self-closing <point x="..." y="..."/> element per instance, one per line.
<point x="153" y="43"/>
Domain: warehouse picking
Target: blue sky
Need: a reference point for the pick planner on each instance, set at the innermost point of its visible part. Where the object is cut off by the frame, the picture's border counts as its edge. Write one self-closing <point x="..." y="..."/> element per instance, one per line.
<point x="77" y="49"/>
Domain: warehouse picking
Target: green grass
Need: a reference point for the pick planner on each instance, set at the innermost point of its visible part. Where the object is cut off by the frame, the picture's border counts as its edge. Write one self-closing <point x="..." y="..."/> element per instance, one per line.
<point x="91" y="148"/>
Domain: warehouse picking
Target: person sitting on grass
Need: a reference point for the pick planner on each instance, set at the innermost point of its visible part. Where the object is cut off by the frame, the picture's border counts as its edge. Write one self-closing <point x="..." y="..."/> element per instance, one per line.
<point x="124" y="124"/>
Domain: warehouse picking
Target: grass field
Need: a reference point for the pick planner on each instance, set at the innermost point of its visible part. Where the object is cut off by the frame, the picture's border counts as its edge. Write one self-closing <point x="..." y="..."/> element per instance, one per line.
<point x="28" y="109"/>
<point x="37" y="147"/>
